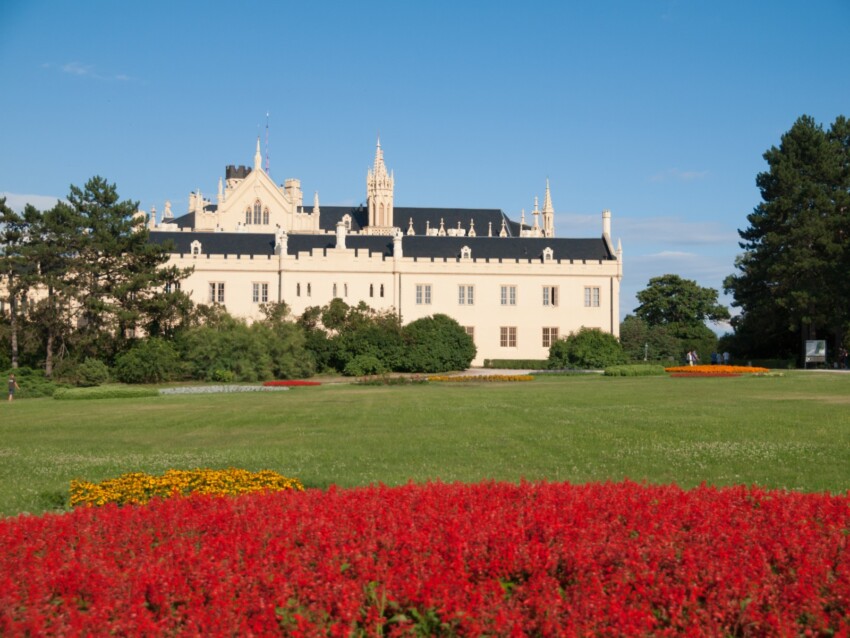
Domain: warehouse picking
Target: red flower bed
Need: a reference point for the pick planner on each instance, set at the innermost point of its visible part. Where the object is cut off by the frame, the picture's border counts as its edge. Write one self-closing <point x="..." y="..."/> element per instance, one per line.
<point x="290" y="383"/>
<point x="496" y="559"/>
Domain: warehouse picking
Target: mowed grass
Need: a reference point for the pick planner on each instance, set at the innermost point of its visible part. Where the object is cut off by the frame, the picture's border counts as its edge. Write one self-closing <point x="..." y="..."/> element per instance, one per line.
<point x="791" y="432"/>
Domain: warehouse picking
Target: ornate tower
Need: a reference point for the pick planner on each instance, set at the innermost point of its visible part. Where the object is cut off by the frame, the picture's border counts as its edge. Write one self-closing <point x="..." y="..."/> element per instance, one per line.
<point x="379" y="195"/>
<point x="548" y="214"/>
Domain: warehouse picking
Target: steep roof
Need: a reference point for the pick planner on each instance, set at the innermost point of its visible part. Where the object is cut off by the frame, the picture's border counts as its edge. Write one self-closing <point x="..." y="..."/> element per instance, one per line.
<point x="420" y="247"/>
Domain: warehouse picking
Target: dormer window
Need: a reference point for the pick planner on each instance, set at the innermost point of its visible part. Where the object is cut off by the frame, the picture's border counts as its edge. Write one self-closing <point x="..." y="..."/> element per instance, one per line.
<point x="548" y="253"/>
<point x="346" y="220"/>
<point x="466" y="252"/>
<point x="195" y="247"/>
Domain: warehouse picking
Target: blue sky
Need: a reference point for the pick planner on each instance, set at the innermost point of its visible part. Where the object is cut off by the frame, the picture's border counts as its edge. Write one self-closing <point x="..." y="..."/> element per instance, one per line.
<point x="659" y="110"/>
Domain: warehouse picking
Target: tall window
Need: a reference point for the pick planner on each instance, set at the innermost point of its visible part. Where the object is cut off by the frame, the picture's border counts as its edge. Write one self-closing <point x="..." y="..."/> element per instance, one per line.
<point x="550" y="295"/>
<point x="371" y="290"/>
<point x="344" y="290"/>
<point x="550" y="336"/>
<point x="334" y="295"/>
<point x="258" y="212"/>
<point x="260" y="293"/>
<point x="423" y="294"/>
<point x="266" y="216"/>
<point x="591" y="296"/>
<point x="470" y="330"/>
<point x="382" y="290"/>
<point x="216" y="292"/>
<point x="507" y="336"/>
<point x="508" y="295"/>
<point x="466" y="295"/>
<point x="309" y="290"/>
<point x="297" y="290"/>
<point x="248" y="216"/>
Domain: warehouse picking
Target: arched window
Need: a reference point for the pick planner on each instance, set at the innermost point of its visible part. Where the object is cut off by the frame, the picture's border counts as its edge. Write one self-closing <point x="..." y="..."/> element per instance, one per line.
<point x="297" y="290"/>
<point x="266" y="216"/>
<point x="382" y="290"/>
<point x="248" y="215"/>
<point x="371" y="290"/>
<point x="258" y="211"/>
<point x="381" y="216"/>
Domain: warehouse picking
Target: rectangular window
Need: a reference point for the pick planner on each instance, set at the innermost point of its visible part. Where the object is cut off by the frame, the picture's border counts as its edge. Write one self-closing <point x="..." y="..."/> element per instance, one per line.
<point x="508" y="295"/>
<point x="260" y="293"/>
<point x="507" y="336"/>
<point x="550" y="295"/>
<point x="550" y="336"/>
<point x="470" y="330"/>
<point x="423" y="294"/>
<point x="216" y="292"/>
<point x="591" y="296"/>
<point x="466" y="295"/>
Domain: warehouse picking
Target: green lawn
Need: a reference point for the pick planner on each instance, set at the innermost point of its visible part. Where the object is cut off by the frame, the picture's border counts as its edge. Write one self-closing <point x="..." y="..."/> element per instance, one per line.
<point x="791" y="432"/>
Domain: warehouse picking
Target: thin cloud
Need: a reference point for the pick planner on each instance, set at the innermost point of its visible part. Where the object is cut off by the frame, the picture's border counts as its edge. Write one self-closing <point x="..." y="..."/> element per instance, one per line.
<point x="81" y="70"/>
<point x="673" y="230"/>
<point x="677" y="175"/>
<point x="17" y="202"/>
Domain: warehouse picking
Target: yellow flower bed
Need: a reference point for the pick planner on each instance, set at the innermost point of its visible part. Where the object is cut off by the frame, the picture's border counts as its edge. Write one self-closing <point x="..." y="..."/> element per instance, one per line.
<point x="717" y="369"/>
<point x="484" y="377"/>
<point x="139" y="488"/>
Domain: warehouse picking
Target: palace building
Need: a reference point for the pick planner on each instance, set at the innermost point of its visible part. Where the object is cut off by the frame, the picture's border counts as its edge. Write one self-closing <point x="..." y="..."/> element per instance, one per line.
<point x="514" y="286"/>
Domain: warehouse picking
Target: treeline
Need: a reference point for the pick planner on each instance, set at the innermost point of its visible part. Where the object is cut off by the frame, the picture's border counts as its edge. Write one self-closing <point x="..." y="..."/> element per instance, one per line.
<point x="88" y="297"/>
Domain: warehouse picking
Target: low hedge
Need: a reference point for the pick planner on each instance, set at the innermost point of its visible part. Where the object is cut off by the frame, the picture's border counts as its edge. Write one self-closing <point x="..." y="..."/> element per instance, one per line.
<point x="516" y="364"/>
<point x="105" y="392"/>
<point x="635" y="370"/>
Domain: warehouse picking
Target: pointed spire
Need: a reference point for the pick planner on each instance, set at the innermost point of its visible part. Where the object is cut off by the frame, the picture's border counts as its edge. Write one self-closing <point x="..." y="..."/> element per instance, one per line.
<point x="442" y="231"/>
<point x="504" y="231"/>
<point x="489" y="229"/>
<point x="522" y="219"/>
<point x="410" y="230"/>
<point x="258" y="157"/>
<point x="471" y="228"/>
<point x="547" y="200"/>
<point x="315" y="202"/>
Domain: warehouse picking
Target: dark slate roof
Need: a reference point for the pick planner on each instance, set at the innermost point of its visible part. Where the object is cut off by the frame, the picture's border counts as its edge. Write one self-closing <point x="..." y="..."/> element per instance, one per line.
<point x="423" y="218"/>
<point x="217" y="243"/>
<point x="184" y="221"/>
<point x="420" y="247"/>
<point x="496" y="248"/>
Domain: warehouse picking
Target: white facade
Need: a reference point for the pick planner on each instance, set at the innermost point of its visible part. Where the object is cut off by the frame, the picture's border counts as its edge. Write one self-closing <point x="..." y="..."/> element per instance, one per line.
<point x="514" y="286"/>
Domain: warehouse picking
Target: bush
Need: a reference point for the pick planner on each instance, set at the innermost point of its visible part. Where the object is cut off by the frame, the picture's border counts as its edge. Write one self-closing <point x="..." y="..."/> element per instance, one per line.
<point x="91" y="373"/>
<point x="437" y="344"/>
<point x="635" y="371"/>
<point x="363" y="365"/>
<point x="589" y="348"/>
<point x="150" y="361"/>
<point x="104" y="392"/>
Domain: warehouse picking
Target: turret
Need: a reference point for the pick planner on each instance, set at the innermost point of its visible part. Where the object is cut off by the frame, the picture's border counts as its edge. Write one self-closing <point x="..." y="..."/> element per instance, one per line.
<point x="548" y="213"/>
<point x="379" y="192"/>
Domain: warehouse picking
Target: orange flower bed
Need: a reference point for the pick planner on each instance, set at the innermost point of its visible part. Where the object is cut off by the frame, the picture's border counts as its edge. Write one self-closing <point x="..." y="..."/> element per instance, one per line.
<point x="714" y="371"/>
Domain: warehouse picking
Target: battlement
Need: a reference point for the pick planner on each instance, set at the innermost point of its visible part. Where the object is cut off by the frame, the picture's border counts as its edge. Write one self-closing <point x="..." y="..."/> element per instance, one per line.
<point x="236" y="172"/>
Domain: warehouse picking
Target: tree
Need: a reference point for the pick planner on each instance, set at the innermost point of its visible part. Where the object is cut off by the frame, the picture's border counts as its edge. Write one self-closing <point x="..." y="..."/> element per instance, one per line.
<point x="12" y="266"/>
<point x="682" y="307"/>
<point x="118" y="273"/>
<point x="670" y="300"/>
<point x="796" y="254"/>
<point x="437" y="344"/>
<point x="587" y="349"/>
<point x="654" y="343"/>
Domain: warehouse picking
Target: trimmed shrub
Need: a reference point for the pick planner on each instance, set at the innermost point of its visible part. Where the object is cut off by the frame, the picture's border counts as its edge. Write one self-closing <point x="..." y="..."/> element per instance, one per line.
<point x="589" y="348"/>
<point x="363" y="365"/>
<point x="437" y="344"/>
<point x="91" y="373"/>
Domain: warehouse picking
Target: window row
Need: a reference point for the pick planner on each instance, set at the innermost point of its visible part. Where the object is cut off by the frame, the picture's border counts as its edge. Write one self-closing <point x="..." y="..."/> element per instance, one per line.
<point x="507" y="295"/>
<point x="508" y="336"/>
<point x="259" y="292"/>
<point x="307" y="290"/>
